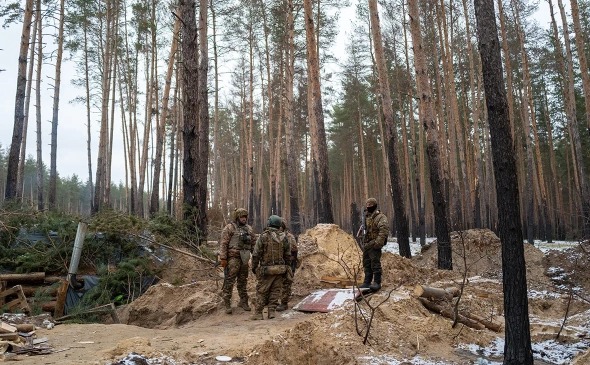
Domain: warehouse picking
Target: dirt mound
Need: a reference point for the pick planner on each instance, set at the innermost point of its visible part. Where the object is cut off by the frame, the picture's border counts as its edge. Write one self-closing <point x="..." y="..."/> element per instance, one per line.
<point x="325" y="250"/>
<point x="401" y="328"/>
<point x="165" y="305"/>
<point x="569" y="268"/>
<point x="482" y="251"/>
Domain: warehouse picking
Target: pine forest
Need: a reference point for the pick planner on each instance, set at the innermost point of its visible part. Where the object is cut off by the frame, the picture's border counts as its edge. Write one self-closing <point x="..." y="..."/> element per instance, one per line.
<point x="226" y="104"/>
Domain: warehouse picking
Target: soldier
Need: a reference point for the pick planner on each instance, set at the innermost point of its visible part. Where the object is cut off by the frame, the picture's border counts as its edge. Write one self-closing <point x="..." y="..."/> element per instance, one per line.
<point x="235" y="247"/>
<point x="270" y="260"/>
<point x="377" y="230"/>
<point x="288" y="279"/>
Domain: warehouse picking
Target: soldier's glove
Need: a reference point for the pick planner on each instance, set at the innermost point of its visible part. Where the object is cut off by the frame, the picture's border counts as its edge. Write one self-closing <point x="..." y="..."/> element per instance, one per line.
<point x="223" y="263"/>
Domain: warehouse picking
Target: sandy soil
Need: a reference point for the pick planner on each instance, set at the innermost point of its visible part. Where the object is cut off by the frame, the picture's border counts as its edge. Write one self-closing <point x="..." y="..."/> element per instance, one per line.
<point x="180" y="320"/>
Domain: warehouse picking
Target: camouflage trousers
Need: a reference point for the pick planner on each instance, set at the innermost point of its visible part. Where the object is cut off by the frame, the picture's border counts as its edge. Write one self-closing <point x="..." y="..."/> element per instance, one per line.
<point x="287" y="283"/>
<point x="268" y="291"/>
<point x="372" y="260"/>
<point x="235" y="270"/>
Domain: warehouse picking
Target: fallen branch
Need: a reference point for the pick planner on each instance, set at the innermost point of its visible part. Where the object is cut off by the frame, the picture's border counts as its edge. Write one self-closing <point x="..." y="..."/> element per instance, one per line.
<point x="204" y="259"/>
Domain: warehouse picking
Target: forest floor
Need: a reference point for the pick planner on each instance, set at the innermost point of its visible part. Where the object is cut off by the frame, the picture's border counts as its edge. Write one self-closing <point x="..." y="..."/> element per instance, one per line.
<point x="181" y="319"/>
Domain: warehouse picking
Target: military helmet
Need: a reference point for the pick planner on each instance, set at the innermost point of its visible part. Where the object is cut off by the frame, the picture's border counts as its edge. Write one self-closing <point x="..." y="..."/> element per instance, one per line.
<point x="371" y="202"/>
<point x="240" y="212"/>
<point x="274" y="221"/>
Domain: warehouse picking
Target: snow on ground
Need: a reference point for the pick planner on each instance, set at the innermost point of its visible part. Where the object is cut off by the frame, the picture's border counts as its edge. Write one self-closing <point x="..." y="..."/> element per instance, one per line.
<point x="550" y="351"/>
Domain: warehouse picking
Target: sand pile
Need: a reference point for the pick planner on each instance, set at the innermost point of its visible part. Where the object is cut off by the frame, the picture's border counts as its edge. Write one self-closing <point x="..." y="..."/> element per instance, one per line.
<point x="165" y="305"/>
<point x="482" y="251"/>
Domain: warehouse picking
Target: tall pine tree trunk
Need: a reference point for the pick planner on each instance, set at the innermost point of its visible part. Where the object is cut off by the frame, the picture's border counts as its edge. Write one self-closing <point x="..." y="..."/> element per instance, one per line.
<point x="203" y="109"/>
<point x="292" y="163"/>
<point x="190" y="132"/>
<point x="19" y="103"/>
<point x="23" y="149"/>
<point x="40" y="198"/>
<point x="517" y="349"/>
<point x="401" y="220"/>
<point x="441" y="225"/>
<point x="54" y="120"/>
<point x="319" y="143"/>
<point x="161" y="131"/>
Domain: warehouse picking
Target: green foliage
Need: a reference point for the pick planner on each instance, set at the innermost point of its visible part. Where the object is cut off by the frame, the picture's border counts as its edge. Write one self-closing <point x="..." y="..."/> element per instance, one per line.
<point x="42" y="295"/>
<point x="123" y="285"/>
<point x="164" y="225"/>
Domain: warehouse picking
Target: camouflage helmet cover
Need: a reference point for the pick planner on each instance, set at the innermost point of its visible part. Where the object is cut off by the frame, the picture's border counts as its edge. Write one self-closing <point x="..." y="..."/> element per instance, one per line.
<point x="371" y="202"/>
<point x="240" y="212"/>
<point x="274" y="221"/>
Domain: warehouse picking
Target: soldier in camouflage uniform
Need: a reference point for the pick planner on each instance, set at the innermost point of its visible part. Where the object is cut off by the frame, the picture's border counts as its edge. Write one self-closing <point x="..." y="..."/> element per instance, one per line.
<point x="377" y="230"/>
<point x="235" y="247"/>
<point x="288" y="279"/>
<point x="270" y="259"/>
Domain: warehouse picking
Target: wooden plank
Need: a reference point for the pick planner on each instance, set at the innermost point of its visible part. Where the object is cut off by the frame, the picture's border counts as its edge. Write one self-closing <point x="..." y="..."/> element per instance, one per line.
<point x="20" y="303"/>
<point x="10" y="291"/>
<point x="7" y="328"/>
<point x="9" y="336"/>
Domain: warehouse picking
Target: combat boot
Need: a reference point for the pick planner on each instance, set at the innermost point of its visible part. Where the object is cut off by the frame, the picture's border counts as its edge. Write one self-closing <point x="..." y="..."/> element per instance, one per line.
<point x="256" y="316"/>
<point x="228" y="307"/>
<point x="244" y="305"/>
<point x="282" y="307"/>
<point x="377" y="283"/>
<point x="367" y="282"/>
<point x="271" y="313"/>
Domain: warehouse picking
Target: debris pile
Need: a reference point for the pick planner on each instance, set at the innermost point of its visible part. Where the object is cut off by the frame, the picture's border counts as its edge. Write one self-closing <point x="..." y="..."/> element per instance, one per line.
<point x="18" y="336"/>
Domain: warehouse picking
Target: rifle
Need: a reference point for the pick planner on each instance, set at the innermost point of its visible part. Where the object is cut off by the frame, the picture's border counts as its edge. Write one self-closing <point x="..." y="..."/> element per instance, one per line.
<point x="362" y="232"/>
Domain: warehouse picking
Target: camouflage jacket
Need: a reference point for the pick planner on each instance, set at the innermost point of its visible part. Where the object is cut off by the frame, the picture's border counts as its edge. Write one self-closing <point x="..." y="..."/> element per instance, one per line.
<point x="272" y="248"/>
<point x="377" y="228"/>
<point x="235" y="238"/>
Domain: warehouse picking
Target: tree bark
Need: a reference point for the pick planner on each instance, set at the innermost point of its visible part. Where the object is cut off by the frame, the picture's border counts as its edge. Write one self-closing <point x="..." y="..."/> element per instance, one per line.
<point x="19" y="112"/>
<point x="203" y="109"/>
<point x="190" y="132"/>
<point x="401" y="219"/>
<point x="517" y="332"/>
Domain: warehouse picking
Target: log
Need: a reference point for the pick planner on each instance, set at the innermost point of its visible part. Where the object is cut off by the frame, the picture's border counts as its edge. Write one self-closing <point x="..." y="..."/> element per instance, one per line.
<point x="48" y="306"/>
<point x="30" y="291"/>
<point x="436" y="293"/>
<point x="27" y="278"/>
<point x="448" y="313"/>
<point x="25" y="327"/>
<point x="496" y="327"/>
<point x="61" y="298"/>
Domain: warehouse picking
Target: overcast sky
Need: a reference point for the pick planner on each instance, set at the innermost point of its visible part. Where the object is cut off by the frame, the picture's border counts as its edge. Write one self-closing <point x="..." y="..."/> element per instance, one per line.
<point x="72" y="135"/>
